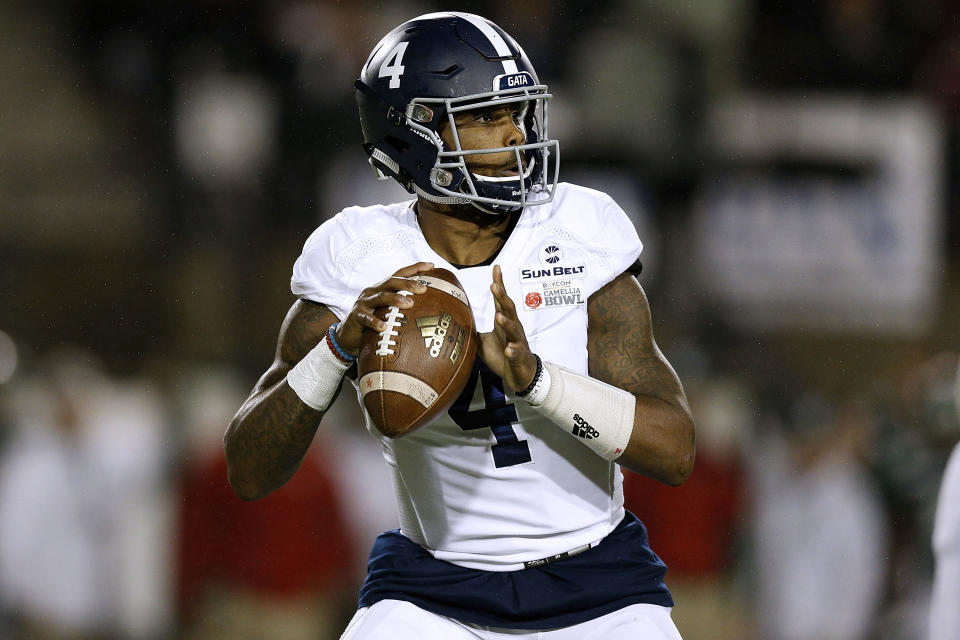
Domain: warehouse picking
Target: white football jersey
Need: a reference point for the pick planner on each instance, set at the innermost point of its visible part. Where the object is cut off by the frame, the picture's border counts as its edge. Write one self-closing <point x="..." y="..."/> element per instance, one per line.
<point x="492" y="484"/>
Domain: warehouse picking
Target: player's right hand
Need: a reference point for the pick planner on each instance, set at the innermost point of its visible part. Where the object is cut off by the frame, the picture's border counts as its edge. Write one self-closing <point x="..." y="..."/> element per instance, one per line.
<point x="362" y="316"/>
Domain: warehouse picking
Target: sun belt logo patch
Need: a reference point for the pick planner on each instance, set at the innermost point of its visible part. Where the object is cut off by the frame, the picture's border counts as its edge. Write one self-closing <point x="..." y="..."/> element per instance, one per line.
<point x="551" y="253"/>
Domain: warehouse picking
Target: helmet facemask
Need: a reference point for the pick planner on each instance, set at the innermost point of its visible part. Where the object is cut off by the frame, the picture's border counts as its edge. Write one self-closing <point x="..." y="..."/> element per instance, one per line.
<point x="537" y="157"/>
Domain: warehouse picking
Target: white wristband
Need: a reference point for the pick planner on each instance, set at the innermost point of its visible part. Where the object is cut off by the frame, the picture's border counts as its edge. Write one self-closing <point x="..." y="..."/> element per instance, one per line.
<point x="541" y="387"/>
<point x="316" y="378"/>
<point x="596" y="413"/>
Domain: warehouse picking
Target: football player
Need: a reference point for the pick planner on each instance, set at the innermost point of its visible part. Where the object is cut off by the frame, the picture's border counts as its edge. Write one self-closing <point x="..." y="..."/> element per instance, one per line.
<point x="511" y="504"/>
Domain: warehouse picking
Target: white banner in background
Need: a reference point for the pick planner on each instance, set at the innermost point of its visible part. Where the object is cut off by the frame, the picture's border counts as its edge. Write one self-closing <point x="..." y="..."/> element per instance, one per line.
<point x="825" y="212"/>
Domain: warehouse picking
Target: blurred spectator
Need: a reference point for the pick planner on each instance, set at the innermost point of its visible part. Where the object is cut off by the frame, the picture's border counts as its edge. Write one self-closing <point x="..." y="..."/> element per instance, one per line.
<point x="918" y="428"/>
<point x="281" y="567"/>
<point x="51" y="546"/>
<point x="820" y="530"/>
<point x="694" y="528"/>
<point x="944" y="614"/>
<point x="75" y="558"/>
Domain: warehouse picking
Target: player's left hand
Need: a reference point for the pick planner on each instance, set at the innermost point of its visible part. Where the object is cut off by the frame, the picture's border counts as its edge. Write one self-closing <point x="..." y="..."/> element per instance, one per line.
<point x="505" y="349"/>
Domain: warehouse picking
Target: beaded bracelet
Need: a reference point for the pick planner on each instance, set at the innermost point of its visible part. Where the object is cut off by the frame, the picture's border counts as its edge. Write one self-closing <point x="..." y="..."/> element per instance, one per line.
<point x="536" y="379"/>
<point x="335" y="347"/>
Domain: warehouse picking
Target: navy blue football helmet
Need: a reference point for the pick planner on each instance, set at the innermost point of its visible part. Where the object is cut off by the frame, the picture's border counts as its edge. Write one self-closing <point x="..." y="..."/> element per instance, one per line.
<point x="424" y="72"/>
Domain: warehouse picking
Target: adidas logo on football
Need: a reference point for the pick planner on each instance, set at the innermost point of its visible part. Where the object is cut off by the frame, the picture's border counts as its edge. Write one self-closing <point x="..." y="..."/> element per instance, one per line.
<point x="434" y="329"/>
<point x="582" y="428"/>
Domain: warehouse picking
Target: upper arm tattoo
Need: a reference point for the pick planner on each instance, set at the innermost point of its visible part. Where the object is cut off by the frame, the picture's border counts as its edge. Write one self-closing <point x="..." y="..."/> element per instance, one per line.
<point x="622" y="351"/>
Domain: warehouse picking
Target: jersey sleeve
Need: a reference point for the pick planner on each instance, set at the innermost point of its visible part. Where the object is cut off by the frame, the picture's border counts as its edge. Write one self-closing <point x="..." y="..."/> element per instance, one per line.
<point x="612" y="244"/>
<point x="316" y="274"/>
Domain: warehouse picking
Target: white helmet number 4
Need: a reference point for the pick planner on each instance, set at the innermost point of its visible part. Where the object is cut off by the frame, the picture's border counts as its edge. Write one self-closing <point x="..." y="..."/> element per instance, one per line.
<point x="392" y="66"/>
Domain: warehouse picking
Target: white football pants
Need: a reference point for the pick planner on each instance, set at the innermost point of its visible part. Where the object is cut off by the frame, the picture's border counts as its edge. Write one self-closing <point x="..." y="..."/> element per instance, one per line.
<point x="399" y="620"/>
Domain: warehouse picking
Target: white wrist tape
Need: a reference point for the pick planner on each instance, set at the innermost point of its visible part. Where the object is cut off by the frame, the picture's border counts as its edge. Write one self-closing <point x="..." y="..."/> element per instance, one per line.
<point x="596" y="413"/>
<point x="315" y="379"/>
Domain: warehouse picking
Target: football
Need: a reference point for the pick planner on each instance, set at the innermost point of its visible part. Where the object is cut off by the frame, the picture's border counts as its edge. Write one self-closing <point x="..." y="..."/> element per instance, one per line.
<point x="413" y="370"/>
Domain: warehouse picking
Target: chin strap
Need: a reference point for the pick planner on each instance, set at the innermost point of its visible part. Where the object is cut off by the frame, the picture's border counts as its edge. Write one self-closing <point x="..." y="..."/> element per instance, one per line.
<point x="440" y="199"/>
<point x="452" y="200"/>
<point x="384" y="159"/>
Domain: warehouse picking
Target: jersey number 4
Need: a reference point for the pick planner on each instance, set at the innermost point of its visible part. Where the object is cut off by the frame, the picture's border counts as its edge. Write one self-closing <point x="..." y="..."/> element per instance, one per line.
<point x="496" y="415"/>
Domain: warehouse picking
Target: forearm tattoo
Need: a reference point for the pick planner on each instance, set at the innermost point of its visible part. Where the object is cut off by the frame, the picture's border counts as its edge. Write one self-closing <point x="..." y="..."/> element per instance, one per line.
<point x="271" y="433"/>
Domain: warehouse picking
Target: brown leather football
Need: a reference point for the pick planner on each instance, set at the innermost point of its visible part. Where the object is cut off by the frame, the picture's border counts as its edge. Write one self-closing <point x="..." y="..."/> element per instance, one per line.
<point x="414" y="370"/>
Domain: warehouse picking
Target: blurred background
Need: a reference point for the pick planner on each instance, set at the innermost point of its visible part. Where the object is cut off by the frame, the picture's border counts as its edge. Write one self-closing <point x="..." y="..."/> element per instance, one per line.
<point x="793" y="169"/>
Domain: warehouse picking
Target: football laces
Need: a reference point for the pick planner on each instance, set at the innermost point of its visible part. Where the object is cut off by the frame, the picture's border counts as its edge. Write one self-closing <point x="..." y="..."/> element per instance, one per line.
<point x="392" y="320"/>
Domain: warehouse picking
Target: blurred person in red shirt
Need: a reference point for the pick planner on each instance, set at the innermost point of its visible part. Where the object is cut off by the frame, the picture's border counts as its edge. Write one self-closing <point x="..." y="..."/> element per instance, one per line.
<point x="280" y="567"/>
<point x="695" y="526"/>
